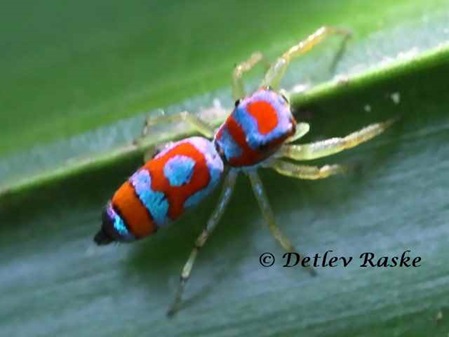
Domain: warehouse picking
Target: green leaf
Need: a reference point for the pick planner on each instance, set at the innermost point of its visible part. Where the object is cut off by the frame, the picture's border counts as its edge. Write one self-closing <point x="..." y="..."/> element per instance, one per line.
<point x="54" y="282"/>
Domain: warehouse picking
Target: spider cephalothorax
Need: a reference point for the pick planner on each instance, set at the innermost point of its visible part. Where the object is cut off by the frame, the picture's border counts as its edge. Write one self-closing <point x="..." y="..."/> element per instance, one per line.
<point x="256" y="128"/>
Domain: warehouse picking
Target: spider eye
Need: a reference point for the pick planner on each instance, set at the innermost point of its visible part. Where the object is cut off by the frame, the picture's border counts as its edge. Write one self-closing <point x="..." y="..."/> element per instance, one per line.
<point x="237" y="102"/>
<point x="293" y="128"/>
<point x="262" y="147"/>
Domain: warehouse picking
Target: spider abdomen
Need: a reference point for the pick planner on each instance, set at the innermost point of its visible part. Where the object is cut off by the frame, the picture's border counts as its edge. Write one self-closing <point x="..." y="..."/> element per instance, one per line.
<point x="176" y="179"/>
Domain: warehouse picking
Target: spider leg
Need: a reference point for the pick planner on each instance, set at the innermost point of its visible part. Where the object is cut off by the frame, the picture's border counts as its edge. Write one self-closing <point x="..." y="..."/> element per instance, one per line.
<point x="276" y="72"/>
<point x="197" y="123"/>
<point x="301" y="130"/>
<point x="267" y="212"/>
<point x="305" y="171"/>
<point x="238" y="90"/>
<point x="331" y="146"/>
<point x="225" y="196"/>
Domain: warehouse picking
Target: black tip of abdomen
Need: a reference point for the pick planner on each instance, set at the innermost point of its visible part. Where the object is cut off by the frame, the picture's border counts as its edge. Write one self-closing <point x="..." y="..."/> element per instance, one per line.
<point x="102" y="238"/>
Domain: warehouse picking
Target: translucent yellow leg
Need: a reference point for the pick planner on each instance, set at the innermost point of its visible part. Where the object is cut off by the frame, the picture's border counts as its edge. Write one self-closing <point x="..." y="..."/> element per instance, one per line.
<point x="305" y="171"/>
<point x="301" y="130"/>
<point x="267" y="212"/>
<point x="238" y="90"/>
<point x="331" y="146"/>
<point x="199" y="125"/>
<point x="274" y="75"/>
<point x="226" y="193"/>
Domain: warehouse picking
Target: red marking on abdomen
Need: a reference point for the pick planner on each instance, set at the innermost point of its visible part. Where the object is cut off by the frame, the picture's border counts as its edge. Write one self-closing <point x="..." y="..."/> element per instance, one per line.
<point x="133" y="212"/>
<point x="265" y="115"/>
<point x="177" y="195"/>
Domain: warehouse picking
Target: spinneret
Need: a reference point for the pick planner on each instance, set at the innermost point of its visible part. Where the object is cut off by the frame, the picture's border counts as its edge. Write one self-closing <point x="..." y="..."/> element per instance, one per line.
<point x="113" y="228"/>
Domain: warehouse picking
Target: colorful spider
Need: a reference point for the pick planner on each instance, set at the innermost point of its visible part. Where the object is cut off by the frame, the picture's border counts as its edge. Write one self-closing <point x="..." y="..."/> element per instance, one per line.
<point x="258" y="133"/>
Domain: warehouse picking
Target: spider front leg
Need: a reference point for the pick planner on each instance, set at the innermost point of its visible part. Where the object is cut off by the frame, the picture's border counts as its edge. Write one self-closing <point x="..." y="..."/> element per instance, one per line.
<point x="267" y="212"/>
<point x="331" y="146"/>
<point x="238" y="90"/>
<point x="301" y="130"/>
<point x="305" y="171"/>
<point x="225" y="196"/>
<point x="274" y="75"/>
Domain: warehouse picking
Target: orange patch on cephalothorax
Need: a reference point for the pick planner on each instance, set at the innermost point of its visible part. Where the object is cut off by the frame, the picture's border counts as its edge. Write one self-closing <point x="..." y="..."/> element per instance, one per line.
<point x="132" y="211"/>
<point x="177" y="195"/>
<point x="249" y="156"/>
<point x="265" y="115"/>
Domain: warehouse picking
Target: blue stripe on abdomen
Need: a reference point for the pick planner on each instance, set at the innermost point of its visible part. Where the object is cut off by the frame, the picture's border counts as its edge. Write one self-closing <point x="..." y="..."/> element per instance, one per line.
<point x="119" y="223"/>
<point x="155" y="202"/>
